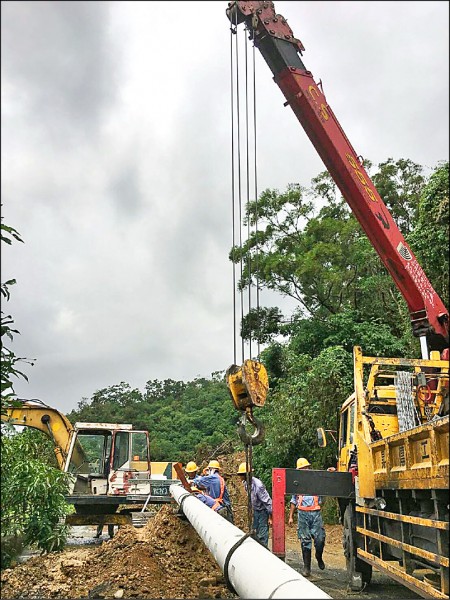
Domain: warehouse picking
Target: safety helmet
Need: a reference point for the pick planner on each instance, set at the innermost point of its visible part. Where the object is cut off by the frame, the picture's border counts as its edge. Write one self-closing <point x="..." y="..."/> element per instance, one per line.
<point x="242" y="470"/>
<point x="191" y="467"/>
<point x="302" y="462"/>
<point x="213" y="464"/>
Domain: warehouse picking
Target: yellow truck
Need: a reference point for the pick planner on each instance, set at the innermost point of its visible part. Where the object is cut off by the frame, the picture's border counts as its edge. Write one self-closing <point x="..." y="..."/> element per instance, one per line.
<point x="394" y="442"/>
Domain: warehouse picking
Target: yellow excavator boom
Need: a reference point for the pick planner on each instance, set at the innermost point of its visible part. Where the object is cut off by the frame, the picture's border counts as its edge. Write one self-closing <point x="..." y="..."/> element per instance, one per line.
<point x="37" y="415"/>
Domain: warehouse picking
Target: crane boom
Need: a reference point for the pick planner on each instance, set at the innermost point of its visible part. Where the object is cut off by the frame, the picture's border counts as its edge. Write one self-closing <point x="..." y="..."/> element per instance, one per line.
<point x="282" y="52"/>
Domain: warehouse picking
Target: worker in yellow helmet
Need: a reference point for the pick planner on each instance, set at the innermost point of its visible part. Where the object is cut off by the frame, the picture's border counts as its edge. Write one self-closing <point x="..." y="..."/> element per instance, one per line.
<point x="309" y="524"/>
<point x="214" y="485"/>
<point x="261" y="505"/>
<point x="190" y="470"/>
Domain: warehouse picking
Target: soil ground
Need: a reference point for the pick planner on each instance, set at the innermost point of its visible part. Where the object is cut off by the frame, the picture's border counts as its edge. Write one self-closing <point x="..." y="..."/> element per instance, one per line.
<point x="167" y="559"/>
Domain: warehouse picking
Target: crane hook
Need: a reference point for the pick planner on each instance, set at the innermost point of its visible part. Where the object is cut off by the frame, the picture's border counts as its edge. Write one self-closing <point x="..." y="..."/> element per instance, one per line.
<point x="257" y="436"/>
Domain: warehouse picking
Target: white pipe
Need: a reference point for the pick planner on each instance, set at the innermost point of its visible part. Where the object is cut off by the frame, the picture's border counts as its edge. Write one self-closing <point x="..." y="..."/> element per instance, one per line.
<point x="253" y="571"/>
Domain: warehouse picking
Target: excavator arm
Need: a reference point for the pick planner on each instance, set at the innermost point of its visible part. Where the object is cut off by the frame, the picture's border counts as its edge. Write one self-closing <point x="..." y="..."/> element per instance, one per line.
<point x="37" y="415"/>
<point x="282" y="52"/>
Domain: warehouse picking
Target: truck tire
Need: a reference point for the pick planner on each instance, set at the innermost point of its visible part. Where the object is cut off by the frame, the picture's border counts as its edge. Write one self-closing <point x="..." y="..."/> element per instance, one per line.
<point x="359" y="572"/>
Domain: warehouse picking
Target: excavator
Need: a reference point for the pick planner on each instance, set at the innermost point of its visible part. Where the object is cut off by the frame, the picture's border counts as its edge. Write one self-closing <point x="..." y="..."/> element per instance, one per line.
<point x="108" y="463"/>
<point x="392" y="475"/>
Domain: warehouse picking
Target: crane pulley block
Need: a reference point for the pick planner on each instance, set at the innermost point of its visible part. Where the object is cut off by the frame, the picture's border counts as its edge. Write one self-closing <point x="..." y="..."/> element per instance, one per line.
<point x="248" y="384"/>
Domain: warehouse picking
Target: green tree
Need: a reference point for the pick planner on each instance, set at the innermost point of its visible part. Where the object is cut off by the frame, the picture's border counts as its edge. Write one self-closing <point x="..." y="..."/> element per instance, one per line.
<point x="33" y="495"/>
<point x="323" y="259"/>
<point x="303" y="256"/>
<point x="400" y="184"/>
<point x="120" y="393"/>
<point x="184" y="419"/>
<point x="430" y="237"/>
<point x="307" y="396"/>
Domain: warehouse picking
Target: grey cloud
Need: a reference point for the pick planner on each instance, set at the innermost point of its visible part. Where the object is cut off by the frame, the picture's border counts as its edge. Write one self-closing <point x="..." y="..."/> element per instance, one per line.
<point x="125" y="191"/>
<point x="61" y="62"/>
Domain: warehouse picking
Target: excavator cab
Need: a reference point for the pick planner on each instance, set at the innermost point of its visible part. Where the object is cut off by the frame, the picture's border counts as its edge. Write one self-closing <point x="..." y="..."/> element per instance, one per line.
<point x="115" y="459"/>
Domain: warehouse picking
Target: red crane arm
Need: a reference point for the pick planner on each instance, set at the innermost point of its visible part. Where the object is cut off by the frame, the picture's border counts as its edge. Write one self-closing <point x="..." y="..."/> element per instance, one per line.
<point x="281" y="50"/>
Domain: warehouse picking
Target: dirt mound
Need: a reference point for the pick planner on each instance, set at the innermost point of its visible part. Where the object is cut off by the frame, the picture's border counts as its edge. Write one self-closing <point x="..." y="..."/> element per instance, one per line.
<point x="165" y="559"/>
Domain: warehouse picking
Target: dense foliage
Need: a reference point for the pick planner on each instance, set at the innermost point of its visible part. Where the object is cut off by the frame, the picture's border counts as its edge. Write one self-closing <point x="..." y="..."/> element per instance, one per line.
<point x="33" y="490"/>
<point x="185" y="419"/>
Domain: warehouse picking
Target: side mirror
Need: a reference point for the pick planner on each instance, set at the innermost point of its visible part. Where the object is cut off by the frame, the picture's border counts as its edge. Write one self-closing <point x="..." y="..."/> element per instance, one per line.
<point x="321" y="438"/>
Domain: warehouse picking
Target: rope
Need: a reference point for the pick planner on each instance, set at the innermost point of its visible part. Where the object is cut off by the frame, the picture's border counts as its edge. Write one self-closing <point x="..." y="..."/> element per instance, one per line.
<point x="180" y="506"/>
<point x="227" y="561"/>
<point x="251" y="532"/>
<point x="278" y="587"/>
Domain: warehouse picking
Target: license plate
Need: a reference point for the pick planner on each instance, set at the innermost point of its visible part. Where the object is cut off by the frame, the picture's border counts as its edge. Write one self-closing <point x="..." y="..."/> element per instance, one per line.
<point x="160" y="490"/>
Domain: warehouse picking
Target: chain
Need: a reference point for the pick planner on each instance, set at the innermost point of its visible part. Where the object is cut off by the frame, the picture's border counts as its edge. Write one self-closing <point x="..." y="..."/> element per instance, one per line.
<point x="248" y="477"/>
<point x="428" y="410"/>
<point x="406" y="411"/>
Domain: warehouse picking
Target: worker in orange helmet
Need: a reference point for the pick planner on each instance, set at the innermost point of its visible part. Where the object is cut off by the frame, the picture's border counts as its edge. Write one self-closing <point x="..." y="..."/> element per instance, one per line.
<point x="309" y="524"/>
<point x="214" y="485"/>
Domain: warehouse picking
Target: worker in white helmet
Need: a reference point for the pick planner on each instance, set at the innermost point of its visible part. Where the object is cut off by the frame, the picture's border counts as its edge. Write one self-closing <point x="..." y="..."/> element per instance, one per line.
<point x="261" y="505"/>
<point x="309" y="525"/>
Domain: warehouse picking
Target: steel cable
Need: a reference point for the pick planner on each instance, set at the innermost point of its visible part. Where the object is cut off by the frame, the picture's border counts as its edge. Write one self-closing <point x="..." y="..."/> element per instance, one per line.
<point x="247" y="178"/>
<point x="239" y="177"/>
<point x="237" y="185"/>
<point x="233" y="200"/>
<point x="248" y="479"/>
<point x="256" y="201"/>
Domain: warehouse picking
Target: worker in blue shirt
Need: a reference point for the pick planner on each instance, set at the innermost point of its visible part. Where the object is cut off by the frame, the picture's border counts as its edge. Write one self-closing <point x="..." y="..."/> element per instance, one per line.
<point x="309" y="525"/>
<point x="214" y="486"/>
<point x="210" y="502"/>
<point x="261" y="505"/>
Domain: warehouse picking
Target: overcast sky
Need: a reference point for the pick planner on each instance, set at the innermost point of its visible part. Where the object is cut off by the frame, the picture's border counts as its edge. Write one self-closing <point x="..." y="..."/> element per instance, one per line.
<point x="116" y="168"/>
